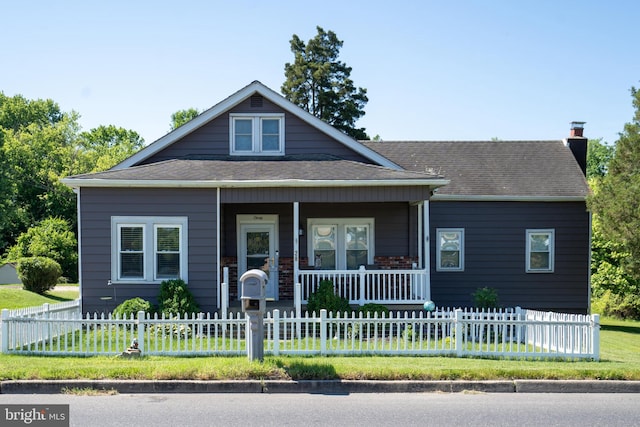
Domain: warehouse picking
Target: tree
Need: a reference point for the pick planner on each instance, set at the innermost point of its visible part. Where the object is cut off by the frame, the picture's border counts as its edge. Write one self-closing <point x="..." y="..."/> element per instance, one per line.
<point x="106" y="146"/>
<point x="599" y="155"/>
<point x="617" y="202"/>
<point x="51" y="238"/>
<point x="39" y="145"/>
<point x="22" y="121"/>
<point x="34" y="159"/>
<point x="320" y="84"/>
<point x="17" y="112"/>
<point x="181" y="117"/>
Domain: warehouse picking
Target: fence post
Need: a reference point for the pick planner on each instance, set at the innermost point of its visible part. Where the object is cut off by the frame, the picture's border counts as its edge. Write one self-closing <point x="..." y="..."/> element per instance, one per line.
<point x="458" y="332"/>
<point x="323" y="332"/>
<point x="4" y="321"/>
<point x="297" y="300"/>
<point x="276" y="332"/>
<point x="140" y="327"/>
<point x="595" y="337"/>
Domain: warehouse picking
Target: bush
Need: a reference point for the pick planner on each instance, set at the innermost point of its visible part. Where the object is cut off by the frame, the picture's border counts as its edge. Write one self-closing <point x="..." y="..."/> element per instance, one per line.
<point x="325" y="298"/>
<point x="176" y="299"/>
<point x="485" y="298"/>
<point x="51" y="238"/>
<point x="38" y="274"/>
<point x="616" y="305"/>
<point x="132" y="307"/>
<point x="371" y="309"/>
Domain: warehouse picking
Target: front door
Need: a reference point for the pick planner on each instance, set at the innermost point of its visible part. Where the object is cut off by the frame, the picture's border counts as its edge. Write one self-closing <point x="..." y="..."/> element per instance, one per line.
<point x="258" y="248"/>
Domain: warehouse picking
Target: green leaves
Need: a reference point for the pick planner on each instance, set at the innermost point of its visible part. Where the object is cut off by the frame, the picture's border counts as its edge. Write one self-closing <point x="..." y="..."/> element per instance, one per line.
<point x="320" y="84"/>
<point x="615" y="203"/>
<point x="39" y="145"/>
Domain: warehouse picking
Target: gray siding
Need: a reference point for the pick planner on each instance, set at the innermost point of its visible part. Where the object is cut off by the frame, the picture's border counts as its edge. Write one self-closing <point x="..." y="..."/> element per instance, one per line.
<point x="100" y="204"/>
<point x="212" y="139"/>
<point x="495" y="251"/>
<point x="324" y="195"/>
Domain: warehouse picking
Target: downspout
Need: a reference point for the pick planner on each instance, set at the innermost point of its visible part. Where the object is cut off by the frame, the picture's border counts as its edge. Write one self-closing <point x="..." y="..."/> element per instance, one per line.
<point x="77" y="191"/>
<point x="219" y="259"/>
<point x="589" y="264"/>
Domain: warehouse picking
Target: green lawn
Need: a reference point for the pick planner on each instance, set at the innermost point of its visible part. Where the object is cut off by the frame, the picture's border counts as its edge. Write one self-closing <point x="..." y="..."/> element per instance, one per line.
<point x="13" y="296"/>
<point x="620" y="359"/>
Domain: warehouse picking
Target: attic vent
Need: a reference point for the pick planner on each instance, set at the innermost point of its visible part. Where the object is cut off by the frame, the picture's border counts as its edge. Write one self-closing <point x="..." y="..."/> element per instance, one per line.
<point x="256" y="101"/>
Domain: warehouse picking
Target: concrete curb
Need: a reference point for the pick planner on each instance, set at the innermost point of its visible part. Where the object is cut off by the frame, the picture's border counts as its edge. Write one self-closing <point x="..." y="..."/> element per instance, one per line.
<point x="320" y="386"/>
<point x="577" y="386"/>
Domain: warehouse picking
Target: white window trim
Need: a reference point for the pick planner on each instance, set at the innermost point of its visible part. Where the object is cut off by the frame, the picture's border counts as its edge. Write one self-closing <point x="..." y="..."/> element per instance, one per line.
<point x="341" y="225"/>
<point x="148" y="225"/>
<point x="155" y="249"/>
<point x="256" y="134"/>
<point x="439" y="231"/>
<point x="552" y="245"/>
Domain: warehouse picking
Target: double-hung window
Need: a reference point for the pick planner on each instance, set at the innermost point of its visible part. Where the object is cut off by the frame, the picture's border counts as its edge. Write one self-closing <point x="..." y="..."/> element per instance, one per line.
<point x="450" y="249"/>
<point x="540" y="251"/>
<point x="340" y="243"/>
<point x="253" y="134"/>
<point x="148" y="249"/>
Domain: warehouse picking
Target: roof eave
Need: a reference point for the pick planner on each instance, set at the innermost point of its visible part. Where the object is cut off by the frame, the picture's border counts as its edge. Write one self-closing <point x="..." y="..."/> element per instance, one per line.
<point x="505" y="198"/>
<point x="123" y="183"/>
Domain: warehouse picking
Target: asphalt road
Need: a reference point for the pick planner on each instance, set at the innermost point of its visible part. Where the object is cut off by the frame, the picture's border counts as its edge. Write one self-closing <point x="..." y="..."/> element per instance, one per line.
<point x="358" y="409"/>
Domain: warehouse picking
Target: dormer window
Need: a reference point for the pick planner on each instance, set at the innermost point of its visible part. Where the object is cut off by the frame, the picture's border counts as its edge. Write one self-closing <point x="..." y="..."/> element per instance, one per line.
<point x="256" y="134"/>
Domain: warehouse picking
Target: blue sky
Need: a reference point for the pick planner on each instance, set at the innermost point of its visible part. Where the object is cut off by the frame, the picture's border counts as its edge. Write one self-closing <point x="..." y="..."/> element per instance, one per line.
<point x="434" y="70"/>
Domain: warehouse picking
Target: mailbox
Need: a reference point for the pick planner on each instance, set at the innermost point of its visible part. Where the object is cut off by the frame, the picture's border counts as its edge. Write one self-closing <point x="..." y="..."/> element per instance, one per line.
<point x="253" y="296"/>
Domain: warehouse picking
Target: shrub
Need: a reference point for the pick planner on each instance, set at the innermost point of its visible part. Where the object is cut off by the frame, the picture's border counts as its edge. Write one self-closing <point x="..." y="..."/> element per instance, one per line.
<point x="176" y="299"/>
<point x="38" y="274"/>
<point x="325" y="298"/>
<point x="485" y="298"/>
<point x="616" y="305"/>
<point x="371" y="309"/>
<point x="132" y="307"/>
<point x="51" y="238"/>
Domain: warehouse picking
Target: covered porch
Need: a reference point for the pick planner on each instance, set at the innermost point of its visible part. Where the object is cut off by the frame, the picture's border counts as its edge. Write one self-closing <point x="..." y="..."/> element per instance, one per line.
<point x="288" y="254"/>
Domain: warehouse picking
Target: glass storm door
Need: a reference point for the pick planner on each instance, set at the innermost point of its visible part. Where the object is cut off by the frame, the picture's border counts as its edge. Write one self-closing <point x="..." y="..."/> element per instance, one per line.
<point x="258" y="249"/>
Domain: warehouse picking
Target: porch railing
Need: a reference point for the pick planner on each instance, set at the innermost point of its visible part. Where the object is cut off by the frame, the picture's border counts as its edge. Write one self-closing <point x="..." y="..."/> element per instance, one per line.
<point x="370" y="286"/>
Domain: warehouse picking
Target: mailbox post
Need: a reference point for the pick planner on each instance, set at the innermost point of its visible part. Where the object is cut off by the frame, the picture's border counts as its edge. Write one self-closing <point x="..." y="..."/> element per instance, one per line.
<point x="253" y="298"/>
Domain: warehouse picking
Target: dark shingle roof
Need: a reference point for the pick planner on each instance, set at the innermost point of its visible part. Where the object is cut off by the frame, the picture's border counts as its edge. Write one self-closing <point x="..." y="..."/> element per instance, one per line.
<point x="320" y="168"/>
<point x="492" y="168"/>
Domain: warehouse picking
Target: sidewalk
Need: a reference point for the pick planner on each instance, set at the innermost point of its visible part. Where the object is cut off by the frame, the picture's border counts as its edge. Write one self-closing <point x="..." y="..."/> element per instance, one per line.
<point x="321" y="387"/>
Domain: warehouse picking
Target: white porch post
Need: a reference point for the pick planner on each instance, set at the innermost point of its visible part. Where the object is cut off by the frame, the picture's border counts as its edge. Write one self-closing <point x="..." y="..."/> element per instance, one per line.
<point x="296" y="242"/>
<point x="420" y="235"/>
<point x="427" y="249"/>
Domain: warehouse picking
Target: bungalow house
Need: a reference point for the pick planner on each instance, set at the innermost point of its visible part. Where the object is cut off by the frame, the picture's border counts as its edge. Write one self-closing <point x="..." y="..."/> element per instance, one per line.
<point x="257" y="182"/>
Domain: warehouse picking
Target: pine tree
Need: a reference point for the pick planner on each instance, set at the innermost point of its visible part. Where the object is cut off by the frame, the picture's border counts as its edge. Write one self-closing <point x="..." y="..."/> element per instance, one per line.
<point x="319" y="83"/>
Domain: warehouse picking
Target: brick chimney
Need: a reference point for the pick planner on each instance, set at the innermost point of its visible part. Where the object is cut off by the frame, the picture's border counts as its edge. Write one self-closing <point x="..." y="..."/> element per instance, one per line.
<point x="576" y="129"/>
<point x="578" y="144"/>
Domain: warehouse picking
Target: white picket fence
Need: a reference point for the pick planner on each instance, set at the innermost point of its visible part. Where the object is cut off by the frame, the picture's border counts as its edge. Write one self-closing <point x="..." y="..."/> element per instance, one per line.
<point x="60" y="310"/>
<point x="514" y="334"/>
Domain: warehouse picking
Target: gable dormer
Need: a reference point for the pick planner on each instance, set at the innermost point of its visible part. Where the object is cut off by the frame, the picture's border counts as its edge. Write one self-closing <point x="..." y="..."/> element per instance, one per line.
<point x="256" y="134"/>
<point x="255" y="121"/>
